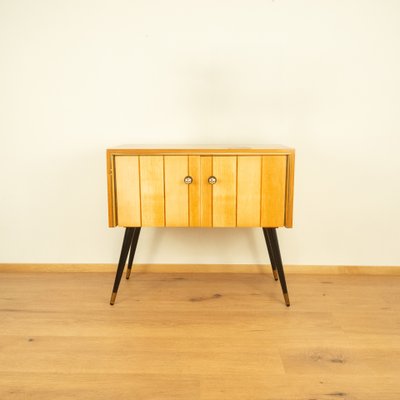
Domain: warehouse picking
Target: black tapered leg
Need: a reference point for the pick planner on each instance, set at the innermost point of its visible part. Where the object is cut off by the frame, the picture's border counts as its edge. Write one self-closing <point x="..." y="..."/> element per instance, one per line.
<point x="134" y="243"/>
<point x="122" y="260"/>
<point x="273" y="239"/>
<point x="270" y="253"/>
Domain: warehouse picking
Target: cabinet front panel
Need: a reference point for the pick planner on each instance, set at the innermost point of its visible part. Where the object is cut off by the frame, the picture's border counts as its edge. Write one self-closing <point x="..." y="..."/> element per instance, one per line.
<point x="176" y="191"/>
<point x="194" y="191"/>
<point x="127" y="190"/>
<point x="248" y="190"/>
<point x="273" y="191"/>
<point x="224" y="191"/>
<point x="152" y="190"/>
<point x="205" y="191"/>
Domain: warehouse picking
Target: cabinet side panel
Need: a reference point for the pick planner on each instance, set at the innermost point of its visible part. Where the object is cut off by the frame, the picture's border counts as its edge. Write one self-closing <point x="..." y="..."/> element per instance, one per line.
<point x="248" y="191"/>
<point x="194" y="191"/>
<point x="127" y="190"/>
<point x="224" y="191"/>
<point x="110" y="190"/>
<point x="290" y="191"/>
<point x="176" y="191"/>
<point x="152" y="190"/>
<point x="273" y="191"/>
<point x="205" y="191"/>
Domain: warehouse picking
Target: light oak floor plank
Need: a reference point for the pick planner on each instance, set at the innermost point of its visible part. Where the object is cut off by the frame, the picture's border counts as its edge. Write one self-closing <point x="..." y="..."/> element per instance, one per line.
<point x="200" y="336"/>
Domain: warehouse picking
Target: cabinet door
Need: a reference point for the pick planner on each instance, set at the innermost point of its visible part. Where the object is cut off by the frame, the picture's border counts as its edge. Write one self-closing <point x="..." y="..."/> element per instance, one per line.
<point x="127" y="190"/>
<point x="273" y="190"/>
<point x="206" y="191"/>
<point x="195" y="191"/>
<point x="176" y="191"/>
<point x="249" y="191"/>
<point x="224" y="191"/>
<point x="152" y="190"/>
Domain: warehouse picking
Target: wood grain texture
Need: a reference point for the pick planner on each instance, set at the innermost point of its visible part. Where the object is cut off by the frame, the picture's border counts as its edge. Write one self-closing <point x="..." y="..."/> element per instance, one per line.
<point x="127" y="190"/>
<point x="176" y="191"/>
<point x="200" y="150"/>
<point x="169" y="336"/>
<point x="231" y="209"/>
<point x="207" y="268"/>
<point x="152" y="190"/>
<point x="224" y="191"/>
<point x="273" y="191"/>
<point x="194" y="191"/>
<point x="206" y="203"/>
<point x="248" y="191"/>
<point x="112" y="219"/>
<point x="290" y="190"/>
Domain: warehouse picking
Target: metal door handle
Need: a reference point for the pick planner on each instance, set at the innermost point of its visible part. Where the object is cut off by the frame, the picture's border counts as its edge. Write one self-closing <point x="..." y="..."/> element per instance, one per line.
<point x="212" y="180"/>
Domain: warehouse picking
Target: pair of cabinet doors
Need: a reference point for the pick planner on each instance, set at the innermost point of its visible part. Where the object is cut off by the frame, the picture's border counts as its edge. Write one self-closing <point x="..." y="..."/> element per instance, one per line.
<point x="200" y="191"/>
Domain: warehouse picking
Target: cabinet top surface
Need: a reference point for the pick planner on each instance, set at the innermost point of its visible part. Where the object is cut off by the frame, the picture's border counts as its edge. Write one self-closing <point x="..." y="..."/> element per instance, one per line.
<point x="200" y="148"/>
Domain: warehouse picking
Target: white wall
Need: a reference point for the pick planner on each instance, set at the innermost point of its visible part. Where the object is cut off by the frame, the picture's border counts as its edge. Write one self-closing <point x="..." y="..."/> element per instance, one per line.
<point x="77" y="77"/>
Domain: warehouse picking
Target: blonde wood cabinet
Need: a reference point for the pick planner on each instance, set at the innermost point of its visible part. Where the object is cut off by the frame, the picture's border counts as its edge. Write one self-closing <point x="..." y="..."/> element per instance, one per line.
<point x="199" y="187"/>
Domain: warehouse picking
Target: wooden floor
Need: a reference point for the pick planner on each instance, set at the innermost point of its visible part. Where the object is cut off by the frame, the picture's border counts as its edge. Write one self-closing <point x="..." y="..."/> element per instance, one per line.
<point x="208" y="336"/>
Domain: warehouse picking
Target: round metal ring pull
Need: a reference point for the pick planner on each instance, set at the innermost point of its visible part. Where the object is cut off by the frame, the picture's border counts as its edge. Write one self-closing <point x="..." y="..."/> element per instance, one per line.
<point x="212" y="180"/>
<point x="188" y="180"/>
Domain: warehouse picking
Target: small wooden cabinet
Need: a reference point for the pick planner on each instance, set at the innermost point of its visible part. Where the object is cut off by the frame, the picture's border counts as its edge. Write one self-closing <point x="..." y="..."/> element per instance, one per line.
<point x="199" y="187"/>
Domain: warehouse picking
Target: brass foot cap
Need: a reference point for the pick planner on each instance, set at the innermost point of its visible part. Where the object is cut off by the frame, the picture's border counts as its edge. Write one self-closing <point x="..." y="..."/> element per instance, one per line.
<point x="286" y="296"/>
<point x="128" y="273"/>
<point x="275" y="274"/>
<point x="113" y="296"/>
